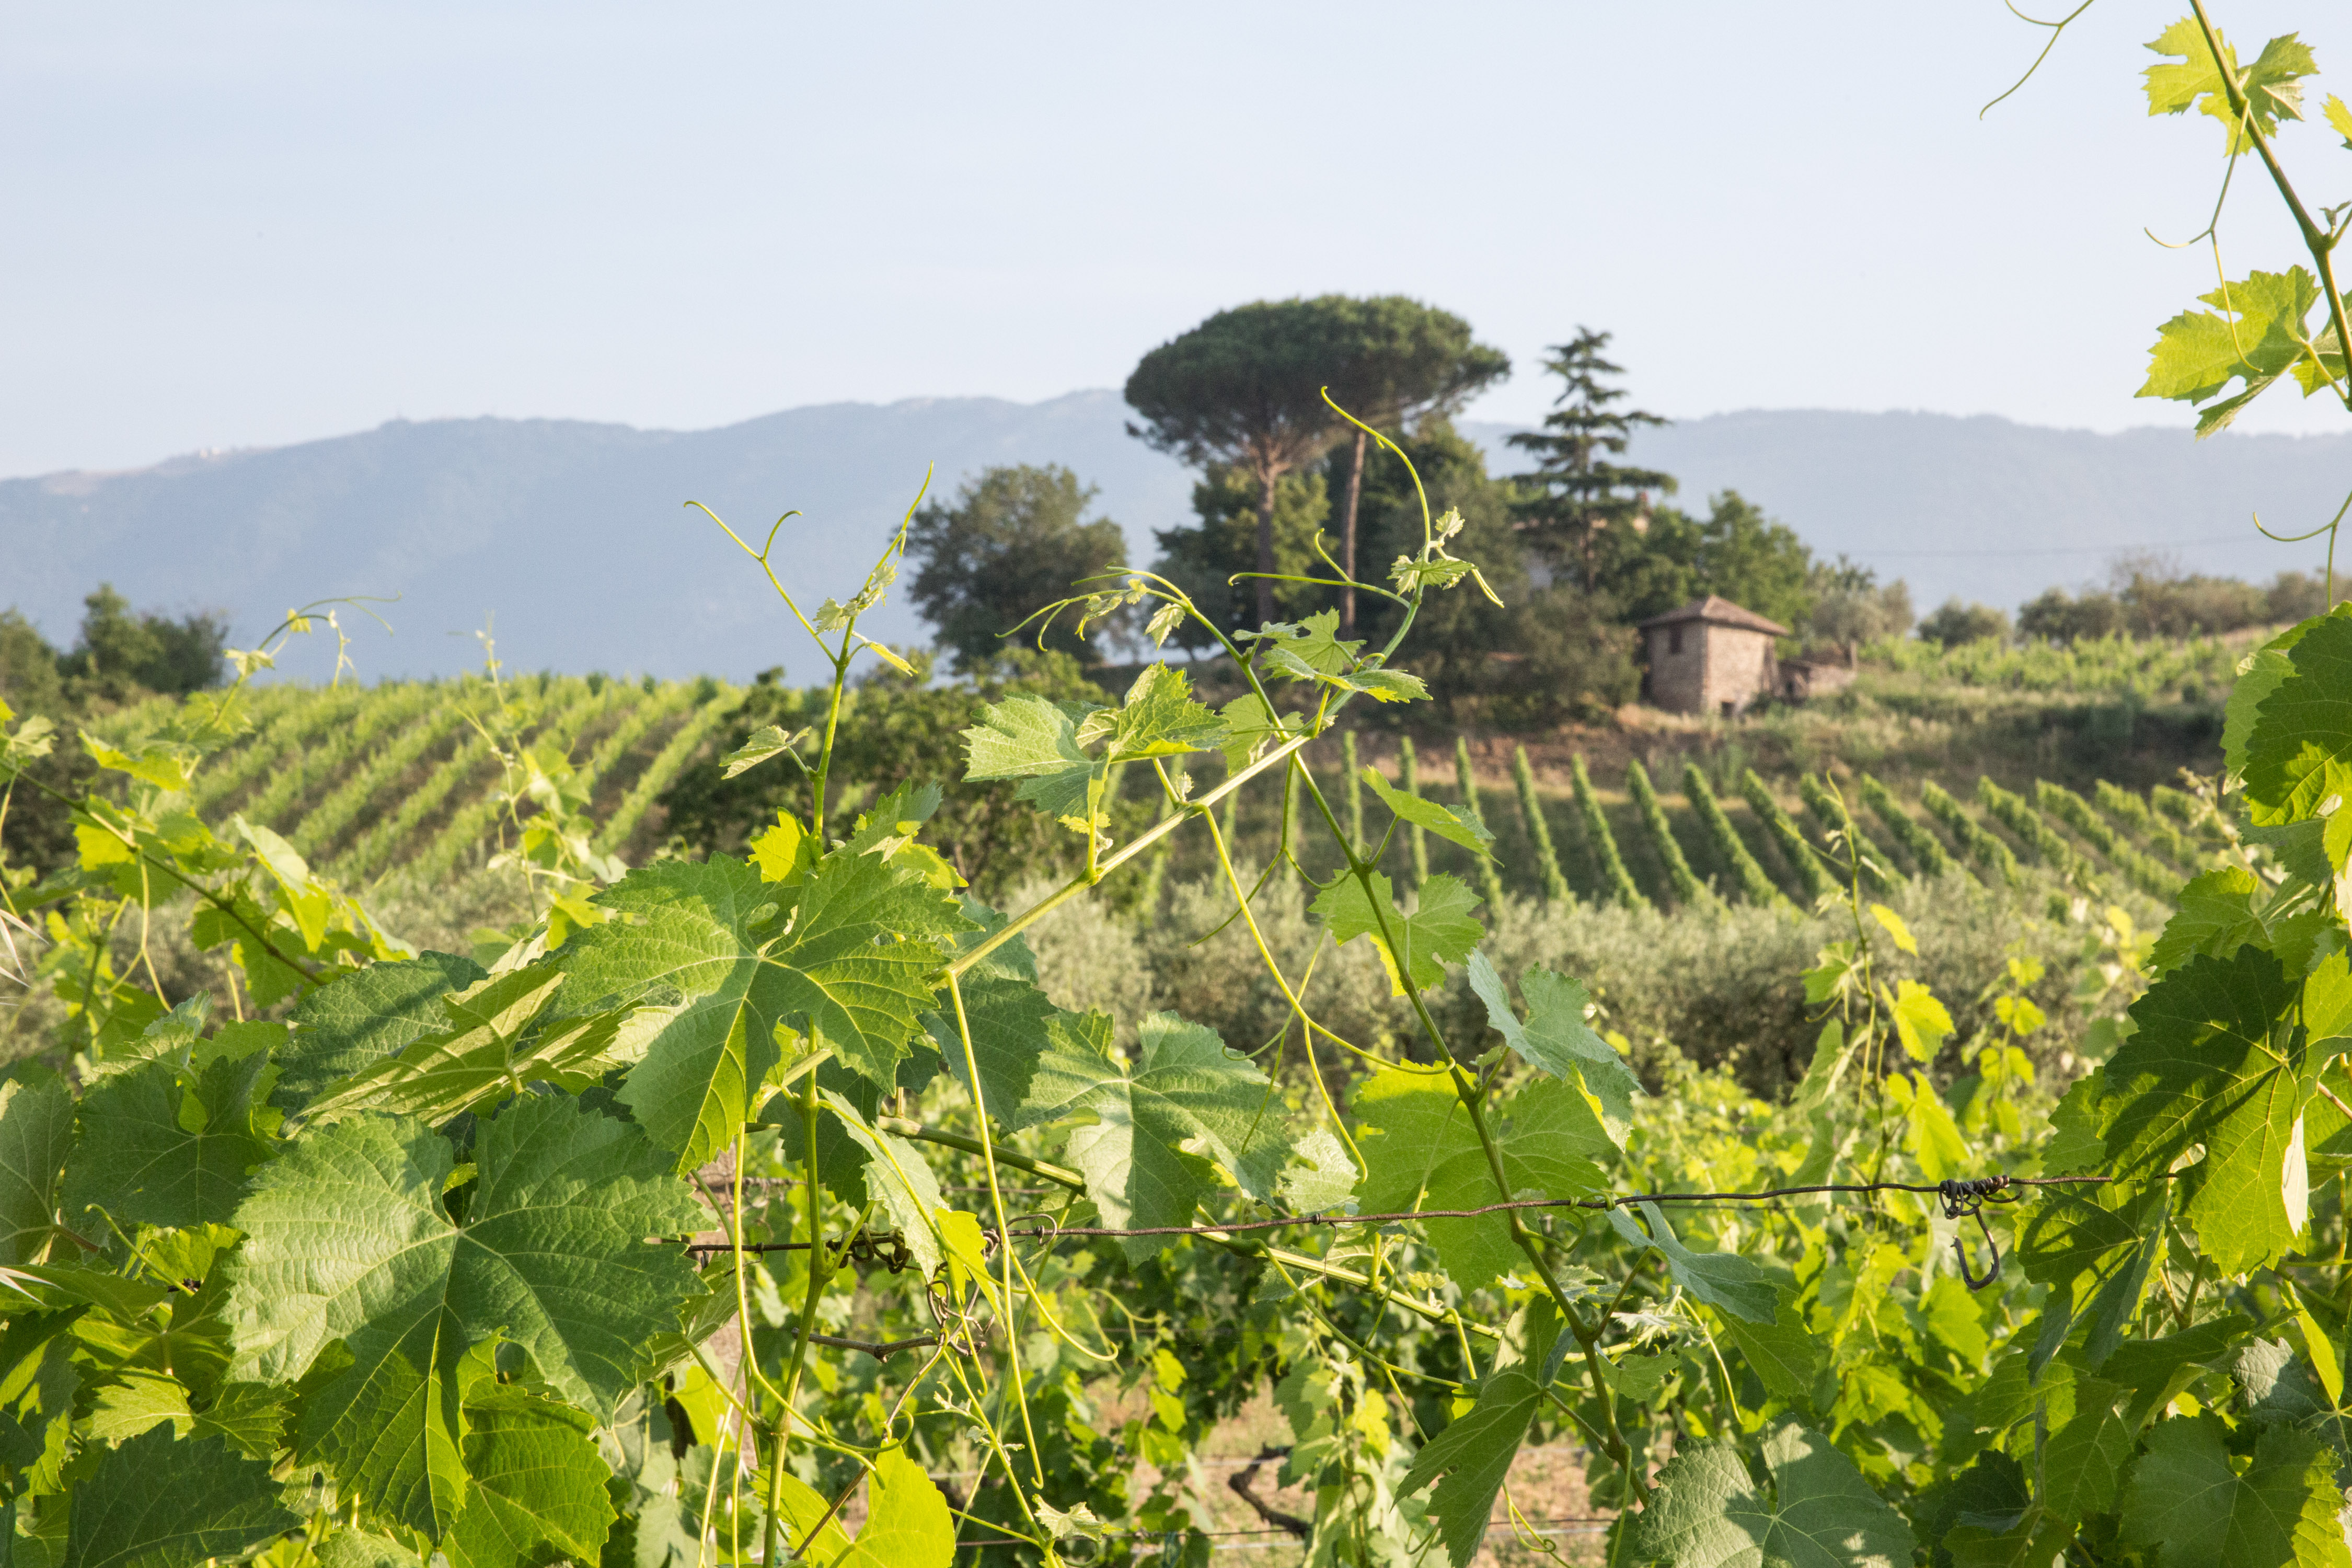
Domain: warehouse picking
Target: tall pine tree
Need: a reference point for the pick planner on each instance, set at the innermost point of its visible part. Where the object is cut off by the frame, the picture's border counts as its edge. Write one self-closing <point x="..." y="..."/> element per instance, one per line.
<point x="1576" y="492"/>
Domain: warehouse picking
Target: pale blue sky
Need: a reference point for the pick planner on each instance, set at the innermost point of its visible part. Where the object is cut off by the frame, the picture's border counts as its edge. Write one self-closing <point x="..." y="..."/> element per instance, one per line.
<point x="249" y="224"/>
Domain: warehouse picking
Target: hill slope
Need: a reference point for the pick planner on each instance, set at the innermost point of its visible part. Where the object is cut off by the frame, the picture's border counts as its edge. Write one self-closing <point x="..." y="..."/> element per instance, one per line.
<point x="573" y="534"/>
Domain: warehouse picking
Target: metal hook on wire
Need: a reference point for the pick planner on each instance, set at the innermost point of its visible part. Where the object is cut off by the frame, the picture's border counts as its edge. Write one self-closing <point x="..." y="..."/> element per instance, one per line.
<point x="1963" y="1199"/>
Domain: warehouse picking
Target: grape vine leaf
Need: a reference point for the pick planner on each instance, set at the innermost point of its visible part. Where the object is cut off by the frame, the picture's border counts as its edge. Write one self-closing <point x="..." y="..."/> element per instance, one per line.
<point x="1473" y="1454"/>
<point x="1556" y="1039"/>
<point x="1783" y="1353"/>
<point x="2188" y="1501"/>
<point x="1186" y="1093"/>
<point x="169" y="1141"/>
<point x="2271" y="86"/>
<point x="1313" y="643"/>
<point x="2197" y="354"/>
<point x="486" y="1052"/>
<point x="1439" y="931"/>
<point x="898" y="1178"/>
<point x="160" y="1503"/>
<point x="1920" y="1021"/>
<point x="907" y="1524"/>
<point x="348" y="1236"/>
<point x="2300" y="751"/>
<point x="2258" y="675"/>
<point x="1251" y="727"/>
<point x="2088" y="1450"/>
<point x="1045" y="745"/>
<point x="2217" y="1057"/>
<point x="1034" y="1060"/>
<point x="36" y="1135"/>
<point x="1468" y="832"/>
<point x="1027" y="738"/>
<point x="1157" y="719"/>
<point x="366" y="1549"/>
<point x="1423" y="1153"/>
<point x="349" y="1026"/>
<point x="711" y="960"/>
<point x="2213" y="914"/>
<point x="1726" y="1281"/>
<point x="1707" y="1511"/>
<point x="766" y="741"/>
<point x="535" y="1491"/>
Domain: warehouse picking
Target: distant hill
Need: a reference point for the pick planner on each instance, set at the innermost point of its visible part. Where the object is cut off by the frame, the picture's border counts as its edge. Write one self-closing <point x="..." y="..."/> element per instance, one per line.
<point x="575" y="534"/>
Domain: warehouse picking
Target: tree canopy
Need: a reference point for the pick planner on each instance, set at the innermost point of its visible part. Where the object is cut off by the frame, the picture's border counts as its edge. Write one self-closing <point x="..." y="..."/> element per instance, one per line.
<point x="1244" y="389"/>
<point x="1015" y="540"/>
<point x="1575" y="493"/>
<point x="1405" y="361"/>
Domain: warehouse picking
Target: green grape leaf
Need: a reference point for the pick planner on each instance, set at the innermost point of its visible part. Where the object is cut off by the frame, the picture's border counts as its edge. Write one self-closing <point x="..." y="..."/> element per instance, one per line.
<point x="711" y="965"/>
<point x="1920" y="1021"/>
<point x="1187" y="1089"/>
<point x="36" y="1135"/>
<point x="2188" y="1501"/>
<point x="169" y="1141"/>
<point x="1027" y="738"/>
<point x="1034" y="1060"/>
<point x="2197" y="354"/>
<point x="1783" y="1353"/>
<point x="1324" y="1177"/>
<point x="348" y="1236"/>
<point x="1313" y="644"/>
<point x="766" y="741"/>
<point x="1708" y="1512"/>
<point x="249" y="1416"/>
<point x="899" y="1178"/>
<point x="485" y="1053"/>
<point x="1158" y="719"/>
<point x="2215" y="916"/>
<point x="364" y="1549"/>
<point x="158" y="1502"/>
<point x="2258" y="673"/>
<point x="2270" y="85"/>
<point x="380" y="1011"/>
<point x="535" y="1491"/>
<point x="1556" y="1039"/>
<point x="1251" y="727"/>
<point x="1473" y="1454"/>
<point x="2088" y="1450"/>
<point x="2217" y="1057"/>
<point x="2299" y="752"/>
<point x="1470" y="833"/>
<point x="1726" y="1281"/>
<point x="1439" y="931"/>
<point x="907" y="1524"/>
<point x="1380" y="685"/>
<point x="1421" y="1153"/>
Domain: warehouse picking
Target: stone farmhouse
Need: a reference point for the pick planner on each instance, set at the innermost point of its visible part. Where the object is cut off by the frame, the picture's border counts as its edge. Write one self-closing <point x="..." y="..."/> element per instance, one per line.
<point x="1712" y="656"/>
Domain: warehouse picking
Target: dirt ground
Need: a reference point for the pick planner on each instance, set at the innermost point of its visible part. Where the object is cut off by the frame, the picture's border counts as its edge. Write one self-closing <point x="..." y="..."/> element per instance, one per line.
<point x="1547" y="1484"/>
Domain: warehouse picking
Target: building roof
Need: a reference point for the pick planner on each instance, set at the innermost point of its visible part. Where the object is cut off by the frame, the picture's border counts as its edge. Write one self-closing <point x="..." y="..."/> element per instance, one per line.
<point x="1719" y="612"/>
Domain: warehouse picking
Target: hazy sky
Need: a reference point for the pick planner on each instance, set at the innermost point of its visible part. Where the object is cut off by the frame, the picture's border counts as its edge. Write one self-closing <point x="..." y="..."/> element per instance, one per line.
<point x="249" y="224"/>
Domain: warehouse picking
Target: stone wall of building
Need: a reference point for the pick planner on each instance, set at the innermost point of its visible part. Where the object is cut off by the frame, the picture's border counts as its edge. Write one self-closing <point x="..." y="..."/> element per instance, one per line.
<point x="1714" y="665"/>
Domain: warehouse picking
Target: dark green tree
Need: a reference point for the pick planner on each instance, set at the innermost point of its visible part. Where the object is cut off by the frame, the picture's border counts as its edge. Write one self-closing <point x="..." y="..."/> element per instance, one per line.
<point x="121" y="653"/>
<point x="1576" y="493"/>
<point x="1015" y="540"/>
<point x="28" y="669"/>
<point x="1203" y="557"/>
<point x="1404" y="361"/>
<point x="1244" y="389"/>
<point x="1547" y="655"/>
<point x="1734" y="551"/>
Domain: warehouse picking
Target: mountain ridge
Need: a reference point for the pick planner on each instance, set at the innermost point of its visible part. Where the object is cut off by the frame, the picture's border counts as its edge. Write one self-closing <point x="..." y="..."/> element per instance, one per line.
<point x="572" y="533"/>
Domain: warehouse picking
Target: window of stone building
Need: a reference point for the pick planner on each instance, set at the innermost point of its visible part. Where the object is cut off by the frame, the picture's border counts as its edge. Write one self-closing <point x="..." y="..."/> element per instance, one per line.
<point x="1674" y="640"/>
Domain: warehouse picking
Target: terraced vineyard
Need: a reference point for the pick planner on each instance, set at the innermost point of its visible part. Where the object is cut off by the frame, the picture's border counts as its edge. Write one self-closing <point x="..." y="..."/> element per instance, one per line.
<point x="398" y="778"/>
<point x="1747" y="839"/>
